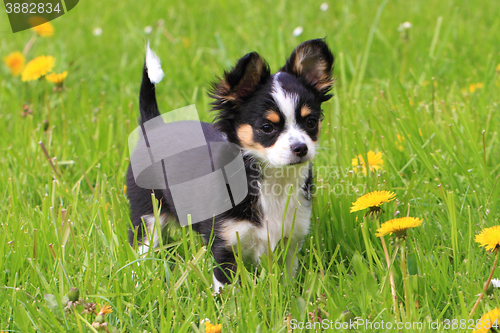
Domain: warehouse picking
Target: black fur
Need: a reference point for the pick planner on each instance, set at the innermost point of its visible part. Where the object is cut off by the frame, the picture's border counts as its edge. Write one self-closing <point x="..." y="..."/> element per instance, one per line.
<point x="147" y="98"/>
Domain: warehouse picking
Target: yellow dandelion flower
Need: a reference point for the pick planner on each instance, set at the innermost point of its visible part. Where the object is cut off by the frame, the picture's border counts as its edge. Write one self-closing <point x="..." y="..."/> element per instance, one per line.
<point x="489" y="238"/>
<point x="57" y="78"/>
<point x="38" y="67"/>
<point x="498" y="68"/>
<point x="474" y="86"/>
<point x="375" y="162"/>
<point x="15" y="62"/>
<point x="105" y="310"/>
<point x="487" y="321"/>
<point x="398" y="226"/>
<point x="372" y="200"/>
<point x="401" y="140"/>
<point x="41" y="26"/>
<point x="211" y="328"/>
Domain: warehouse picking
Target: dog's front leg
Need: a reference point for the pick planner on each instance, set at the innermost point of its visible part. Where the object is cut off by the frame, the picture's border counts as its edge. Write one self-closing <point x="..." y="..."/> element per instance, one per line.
<point x="225" y="267"/>
<point x="291" y="260"/>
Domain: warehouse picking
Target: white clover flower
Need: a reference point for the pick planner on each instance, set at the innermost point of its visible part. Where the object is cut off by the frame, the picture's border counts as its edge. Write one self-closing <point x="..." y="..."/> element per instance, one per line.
<point x="298" y="31"/>
<point x="97" y="31"/>
<point x="148" y="30"/>
<point x="495" y="283"/>
<point x="404" y="26"/>
<point x="323" y="7"/>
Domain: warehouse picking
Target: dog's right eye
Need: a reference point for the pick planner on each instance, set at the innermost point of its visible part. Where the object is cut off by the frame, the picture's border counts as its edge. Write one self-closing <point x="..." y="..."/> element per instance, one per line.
<point x="267" y="128"/>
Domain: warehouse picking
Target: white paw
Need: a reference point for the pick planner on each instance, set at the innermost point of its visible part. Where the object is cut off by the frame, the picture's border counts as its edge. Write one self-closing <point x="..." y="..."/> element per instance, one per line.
<point x="217" y="285"/>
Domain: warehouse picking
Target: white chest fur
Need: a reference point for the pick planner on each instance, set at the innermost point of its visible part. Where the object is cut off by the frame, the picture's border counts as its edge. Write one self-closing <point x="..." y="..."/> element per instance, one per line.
<point x="279" y="221"/>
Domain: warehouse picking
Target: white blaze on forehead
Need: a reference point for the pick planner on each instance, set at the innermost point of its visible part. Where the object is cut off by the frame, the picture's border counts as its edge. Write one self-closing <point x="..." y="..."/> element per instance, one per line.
<point x="281" y="153"/>
<point x="287" y="103"/>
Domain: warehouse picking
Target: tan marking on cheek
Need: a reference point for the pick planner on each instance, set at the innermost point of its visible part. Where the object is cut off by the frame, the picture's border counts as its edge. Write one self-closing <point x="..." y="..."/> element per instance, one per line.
<point x="245" y="135"/>
<point x="273" y="117"/>
<point x="305" y="111"/>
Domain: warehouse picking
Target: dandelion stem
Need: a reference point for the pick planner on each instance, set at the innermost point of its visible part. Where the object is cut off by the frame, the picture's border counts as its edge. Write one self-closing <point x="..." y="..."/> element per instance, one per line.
<point x="28" y="46"/>
<point x="391" y="277"/>
<point x="49" y="159"/>
<point x="391" y="264"/>
<point x="368" y="247"/>
<point x="485" y="285"/>
<point x="405" y="275"/>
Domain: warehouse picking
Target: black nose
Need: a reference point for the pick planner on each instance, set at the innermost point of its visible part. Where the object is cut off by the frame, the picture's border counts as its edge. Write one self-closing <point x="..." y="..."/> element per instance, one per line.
<point x="300" y="149"/>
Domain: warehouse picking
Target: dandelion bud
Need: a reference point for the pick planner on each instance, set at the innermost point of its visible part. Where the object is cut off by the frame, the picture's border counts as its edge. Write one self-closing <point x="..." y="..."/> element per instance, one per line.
<point x="489" y="290"/>
<point x="346" y="316"/>
<point x="74" y="294"/>
<point x="99" y="319"/>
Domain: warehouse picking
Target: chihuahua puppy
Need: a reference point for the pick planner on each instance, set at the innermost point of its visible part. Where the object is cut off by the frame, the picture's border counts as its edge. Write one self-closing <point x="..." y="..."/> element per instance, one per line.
<point x="275" y="119"/>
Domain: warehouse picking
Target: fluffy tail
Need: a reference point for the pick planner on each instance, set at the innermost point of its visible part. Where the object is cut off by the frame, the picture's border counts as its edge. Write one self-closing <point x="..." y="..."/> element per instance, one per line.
<point x="151" y="74"/>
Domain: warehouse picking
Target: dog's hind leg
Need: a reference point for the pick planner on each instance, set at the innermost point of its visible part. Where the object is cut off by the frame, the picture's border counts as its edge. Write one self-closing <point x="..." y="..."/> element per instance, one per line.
<point x="151" y="237"/>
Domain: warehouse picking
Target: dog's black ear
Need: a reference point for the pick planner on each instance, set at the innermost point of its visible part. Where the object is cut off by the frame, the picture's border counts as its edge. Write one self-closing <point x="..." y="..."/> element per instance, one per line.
<point x="242" y="80"/>
<point x="312" y="62"/>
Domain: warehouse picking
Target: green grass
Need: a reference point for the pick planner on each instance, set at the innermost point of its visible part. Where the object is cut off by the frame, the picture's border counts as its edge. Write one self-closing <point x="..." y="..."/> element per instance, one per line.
<point x="444" y="168"/>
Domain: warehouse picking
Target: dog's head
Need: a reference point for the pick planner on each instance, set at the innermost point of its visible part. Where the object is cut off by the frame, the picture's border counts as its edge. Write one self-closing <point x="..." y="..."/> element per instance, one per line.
<point x="276" y="118"/>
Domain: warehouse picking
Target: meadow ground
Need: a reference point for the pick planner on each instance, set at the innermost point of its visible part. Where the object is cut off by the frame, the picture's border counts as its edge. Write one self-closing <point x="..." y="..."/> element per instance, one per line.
<point x="425" y="96"/>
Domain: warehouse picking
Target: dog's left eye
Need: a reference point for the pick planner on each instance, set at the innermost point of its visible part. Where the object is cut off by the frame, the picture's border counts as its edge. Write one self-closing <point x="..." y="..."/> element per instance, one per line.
<point x="267" y="128"/>
<point x="311" y="123"/>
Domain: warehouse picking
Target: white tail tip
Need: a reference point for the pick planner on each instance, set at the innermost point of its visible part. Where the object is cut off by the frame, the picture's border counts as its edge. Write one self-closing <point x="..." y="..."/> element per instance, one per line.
<point x="153" y="65"/>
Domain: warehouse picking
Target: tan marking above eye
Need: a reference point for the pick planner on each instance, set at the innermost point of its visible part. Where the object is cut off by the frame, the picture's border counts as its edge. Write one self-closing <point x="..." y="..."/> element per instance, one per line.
<point x="245" y="135"/>
<point x="305" y="111"/>
<point x="273" y="117"/>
